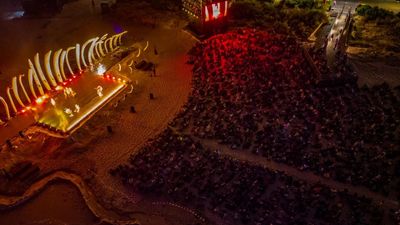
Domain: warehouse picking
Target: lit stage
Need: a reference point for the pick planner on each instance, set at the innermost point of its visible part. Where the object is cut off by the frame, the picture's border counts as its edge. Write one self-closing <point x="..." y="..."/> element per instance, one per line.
<point x="67" y="110"/>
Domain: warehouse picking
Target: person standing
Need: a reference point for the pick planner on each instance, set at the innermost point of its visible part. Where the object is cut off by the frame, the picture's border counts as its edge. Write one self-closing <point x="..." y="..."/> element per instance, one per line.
<point x="155" y="51"/>
<point x="93" y="6"/>
<point x="154" y="70"/>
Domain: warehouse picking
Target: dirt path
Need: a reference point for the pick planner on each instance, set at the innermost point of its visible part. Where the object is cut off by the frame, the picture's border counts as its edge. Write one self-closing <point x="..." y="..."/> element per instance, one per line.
<point x="374" y="72"/>
<point x="245" y="156"/>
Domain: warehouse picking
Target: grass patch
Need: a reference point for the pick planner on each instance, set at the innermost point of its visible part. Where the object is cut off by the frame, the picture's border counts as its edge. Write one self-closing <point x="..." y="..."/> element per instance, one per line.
<point x="376" y="28"/>
<point x="299" y="17"/>
<point x="390" y="5"/>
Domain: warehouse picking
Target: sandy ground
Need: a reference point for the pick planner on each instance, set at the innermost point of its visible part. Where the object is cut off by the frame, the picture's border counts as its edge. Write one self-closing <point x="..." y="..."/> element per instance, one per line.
<point x="171" y="88"/>
<point x="374" y="72"/>
<point x="70" y="209"/>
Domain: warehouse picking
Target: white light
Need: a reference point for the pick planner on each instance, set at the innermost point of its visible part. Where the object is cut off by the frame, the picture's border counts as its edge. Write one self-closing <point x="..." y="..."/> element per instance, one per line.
<point x="94" y="107"/>
<point x="101" y="69"/>
<point x="99" y="90"/>
<point x="68" y="111"/>
<point x="77" y="108"/>
<point x="14" y="15"/>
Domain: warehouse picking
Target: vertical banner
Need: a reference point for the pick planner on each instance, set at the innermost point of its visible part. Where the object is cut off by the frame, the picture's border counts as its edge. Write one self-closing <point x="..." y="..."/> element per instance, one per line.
<point x="215" y="11"/>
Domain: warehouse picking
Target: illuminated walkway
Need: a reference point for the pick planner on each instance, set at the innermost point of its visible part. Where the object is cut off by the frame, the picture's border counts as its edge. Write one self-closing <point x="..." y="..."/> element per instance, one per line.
<point x="337" y="36"/>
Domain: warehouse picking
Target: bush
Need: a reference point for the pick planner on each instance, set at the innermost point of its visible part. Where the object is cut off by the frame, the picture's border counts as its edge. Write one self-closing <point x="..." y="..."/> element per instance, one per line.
<point x="362" y="9"/>
<point x="247" y="9"/>
<point x="265" y="14"/>
<point x="374" y="13"/>
<point x="309" y="4"/>
<point x="303" y="21"/>
<point x="396" y="29"/>
<point x="165" y="4"/>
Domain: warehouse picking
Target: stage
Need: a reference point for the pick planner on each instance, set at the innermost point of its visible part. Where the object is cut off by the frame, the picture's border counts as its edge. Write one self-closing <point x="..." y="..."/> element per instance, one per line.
<point x="77" y="101"/>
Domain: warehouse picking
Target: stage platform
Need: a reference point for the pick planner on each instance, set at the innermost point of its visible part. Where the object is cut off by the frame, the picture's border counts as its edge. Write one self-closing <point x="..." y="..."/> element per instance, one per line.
<point x="65" y="113"/>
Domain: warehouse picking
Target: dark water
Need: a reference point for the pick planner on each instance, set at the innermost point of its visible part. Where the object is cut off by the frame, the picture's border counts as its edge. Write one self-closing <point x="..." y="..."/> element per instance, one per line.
<point x="59" y="203"/>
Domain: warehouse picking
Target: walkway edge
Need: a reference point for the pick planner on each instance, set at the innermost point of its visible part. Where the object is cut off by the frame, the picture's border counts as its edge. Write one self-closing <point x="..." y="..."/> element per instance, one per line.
<point x="88" y="196"/>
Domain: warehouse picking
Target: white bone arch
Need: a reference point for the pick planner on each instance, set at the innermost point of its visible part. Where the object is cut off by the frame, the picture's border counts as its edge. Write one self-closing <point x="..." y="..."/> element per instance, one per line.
<point x="91" y="50"/>
<point x="39" y="71"/>
<point x="56" y="65"/>
<point x="137" y="56"/>
<point x="139" y="50"/>
<point x="147" y="45"/>
<point x="77" y="55"/>
<point x="105" y="45"/>
<point x="54" y="68"/>
<point x="15" y="91"/>
<point x="32" y="73"/>
<point x="97" y="50"/>
<point x="83" y="50"/>
<point x="115" y="40"/>
<point x="5" y="107"/>
<point x="23" y="88"/>
<point x="100" y="44"/>
<point x="108" y="45"/>
<point x="48" y="69"/>
<point x="62" y="62"/>
<point x="67" y="60"/>
<point x="11" y="100"/>
<point x="30" y="80"/>
<point x="119" y="38"/>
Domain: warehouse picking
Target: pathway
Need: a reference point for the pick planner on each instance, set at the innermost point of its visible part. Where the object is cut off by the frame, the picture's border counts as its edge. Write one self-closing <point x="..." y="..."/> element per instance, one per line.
<point x="245" y="156"/>
<point x="337" y="35"/>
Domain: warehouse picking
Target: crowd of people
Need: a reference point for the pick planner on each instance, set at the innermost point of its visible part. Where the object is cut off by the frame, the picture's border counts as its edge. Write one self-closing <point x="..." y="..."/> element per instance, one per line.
<point x="255" y="92"/>
<point x="178" y="169"/>
<point x="341" y="72"/>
